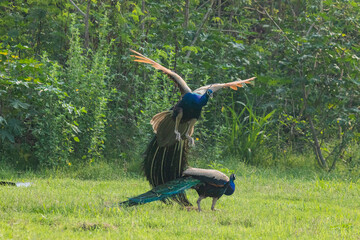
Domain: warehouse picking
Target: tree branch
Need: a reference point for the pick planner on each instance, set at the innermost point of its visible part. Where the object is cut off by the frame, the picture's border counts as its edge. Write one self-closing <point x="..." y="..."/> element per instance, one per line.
<point x="77" y="8"/>
<point x="197" y="9"/>
<point x="224" y="30"/>
<point x="206" y="16"/>
<point x="283" y="33"/>
<point x="86" y="21"/>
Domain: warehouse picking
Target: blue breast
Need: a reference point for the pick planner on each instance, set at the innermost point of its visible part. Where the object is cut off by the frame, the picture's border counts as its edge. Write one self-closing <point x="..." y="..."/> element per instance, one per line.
<point x="192" y="103"/>
<point x="230" y="189"/>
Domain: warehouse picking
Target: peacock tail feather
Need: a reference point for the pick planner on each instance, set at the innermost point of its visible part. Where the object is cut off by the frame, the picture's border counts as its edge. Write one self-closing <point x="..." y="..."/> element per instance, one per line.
<point x="163" y="192"/>
<point x="164" y="164"/>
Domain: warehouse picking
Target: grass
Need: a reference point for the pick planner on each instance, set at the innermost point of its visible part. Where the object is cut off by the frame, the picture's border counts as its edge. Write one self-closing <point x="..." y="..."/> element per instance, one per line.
<point x="267" y="204"/>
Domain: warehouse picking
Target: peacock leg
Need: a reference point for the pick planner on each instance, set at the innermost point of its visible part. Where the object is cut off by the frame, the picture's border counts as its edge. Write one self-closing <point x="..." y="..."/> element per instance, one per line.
<point x="198" y="202"/>
<point x="189" y="131"/>
<point x="177" y="122"/>
<point x="213" y="204"/>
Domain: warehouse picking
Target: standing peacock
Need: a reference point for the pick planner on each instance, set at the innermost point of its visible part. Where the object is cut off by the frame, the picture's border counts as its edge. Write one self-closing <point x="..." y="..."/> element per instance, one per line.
<point x="207" y="183"/>
<point x="166" y="155"/>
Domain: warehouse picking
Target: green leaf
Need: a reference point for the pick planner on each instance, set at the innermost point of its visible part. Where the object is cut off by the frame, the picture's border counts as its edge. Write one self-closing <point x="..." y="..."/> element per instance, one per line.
<point x="2" y="120"/>
<point x="75" y="128"/>
<point x="6" y="135"/>
<point x="18" y="104"/>
<point x="191" y="48"/>
<point x="76" y="139"/>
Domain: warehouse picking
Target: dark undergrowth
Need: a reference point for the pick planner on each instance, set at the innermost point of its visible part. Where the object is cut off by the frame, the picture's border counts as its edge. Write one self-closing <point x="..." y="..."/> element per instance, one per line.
<point x="290" y="166"/>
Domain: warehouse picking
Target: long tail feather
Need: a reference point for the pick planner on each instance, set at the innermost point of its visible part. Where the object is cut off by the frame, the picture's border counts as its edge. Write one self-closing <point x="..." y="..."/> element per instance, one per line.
<point x="162" y="192"/>
<point x="164" y="164"/>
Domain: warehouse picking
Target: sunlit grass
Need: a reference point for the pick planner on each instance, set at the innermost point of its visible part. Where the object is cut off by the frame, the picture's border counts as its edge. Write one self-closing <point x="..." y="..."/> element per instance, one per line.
<point x="267" y="204"/>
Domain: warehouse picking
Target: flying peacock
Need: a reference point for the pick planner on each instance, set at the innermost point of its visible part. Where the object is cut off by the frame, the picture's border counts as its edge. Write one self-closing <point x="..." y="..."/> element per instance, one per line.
<point x="207" y="183"/>
<point x="178" y="122"/>
<point x="166" y="155"/>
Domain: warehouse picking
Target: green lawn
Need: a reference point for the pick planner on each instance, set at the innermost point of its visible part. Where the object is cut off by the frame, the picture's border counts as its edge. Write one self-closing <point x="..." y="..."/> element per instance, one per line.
<point x="265" y="206"/>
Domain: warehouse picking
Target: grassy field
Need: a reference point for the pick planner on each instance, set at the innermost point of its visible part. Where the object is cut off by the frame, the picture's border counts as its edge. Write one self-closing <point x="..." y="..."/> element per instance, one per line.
<point x="267" y="204"/>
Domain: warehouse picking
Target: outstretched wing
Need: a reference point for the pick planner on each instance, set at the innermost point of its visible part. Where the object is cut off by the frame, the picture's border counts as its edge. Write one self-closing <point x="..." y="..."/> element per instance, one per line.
<point x="181" y="84"/>
<point x="217" y="86"/>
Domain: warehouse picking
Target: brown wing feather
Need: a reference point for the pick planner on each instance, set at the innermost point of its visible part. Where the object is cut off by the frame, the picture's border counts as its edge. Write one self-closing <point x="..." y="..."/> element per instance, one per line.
<point x="158" y="118"/>
<point x="164" y="125"/>
<point x="210" y="173"/>
<point x="217" y="86"/>
<point x="181" y="84"/>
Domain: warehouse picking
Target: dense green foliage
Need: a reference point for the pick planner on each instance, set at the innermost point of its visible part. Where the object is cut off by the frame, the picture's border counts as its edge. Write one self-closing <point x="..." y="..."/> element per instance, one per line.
<point x="70" y="94"/>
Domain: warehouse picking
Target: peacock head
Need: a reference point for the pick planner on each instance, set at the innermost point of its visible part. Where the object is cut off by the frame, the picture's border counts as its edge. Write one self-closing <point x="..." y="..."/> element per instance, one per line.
<point x="209" y="93"/>
<point x="204" y="98"/>
<point x="231" y="188"/>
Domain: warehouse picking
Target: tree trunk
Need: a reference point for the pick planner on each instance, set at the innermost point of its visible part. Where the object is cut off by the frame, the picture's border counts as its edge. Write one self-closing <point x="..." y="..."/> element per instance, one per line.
<point x="219" y="13"/>
<point x="142" y="16"/>
<point x="232" y="13"/>
<point x="186" y="13"/>
<point x="87" y="38"/>
<point x="317" y="149"/>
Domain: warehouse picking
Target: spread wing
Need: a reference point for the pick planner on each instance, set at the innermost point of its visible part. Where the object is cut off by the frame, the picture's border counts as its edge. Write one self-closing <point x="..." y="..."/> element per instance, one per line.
<point x="180" y="83"/>
<point x="217" y="86"/>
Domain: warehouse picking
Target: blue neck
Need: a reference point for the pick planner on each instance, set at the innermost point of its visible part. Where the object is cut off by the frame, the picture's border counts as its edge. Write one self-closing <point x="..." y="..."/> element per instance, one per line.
<point x="231" y="187"/>
<point x="204" y="99"/>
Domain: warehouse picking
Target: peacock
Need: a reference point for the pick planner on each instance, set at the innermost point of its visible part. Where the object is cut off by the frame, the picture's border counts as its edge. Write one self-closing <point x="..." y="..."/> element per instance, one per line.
<point x="178" y="122"/>
<point x="166" y="155"/>
<point x="207" y="183"/>
<point x="18" y="184"/>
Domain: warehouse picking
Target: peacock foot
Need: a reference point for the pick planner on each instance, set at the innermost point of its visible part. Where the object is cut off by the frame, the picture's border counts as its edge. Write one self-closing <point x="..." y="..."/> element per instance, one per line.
<point x="177" y="135"/>
<point x="191" y="141"/>
<point x="191" y="208"/>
